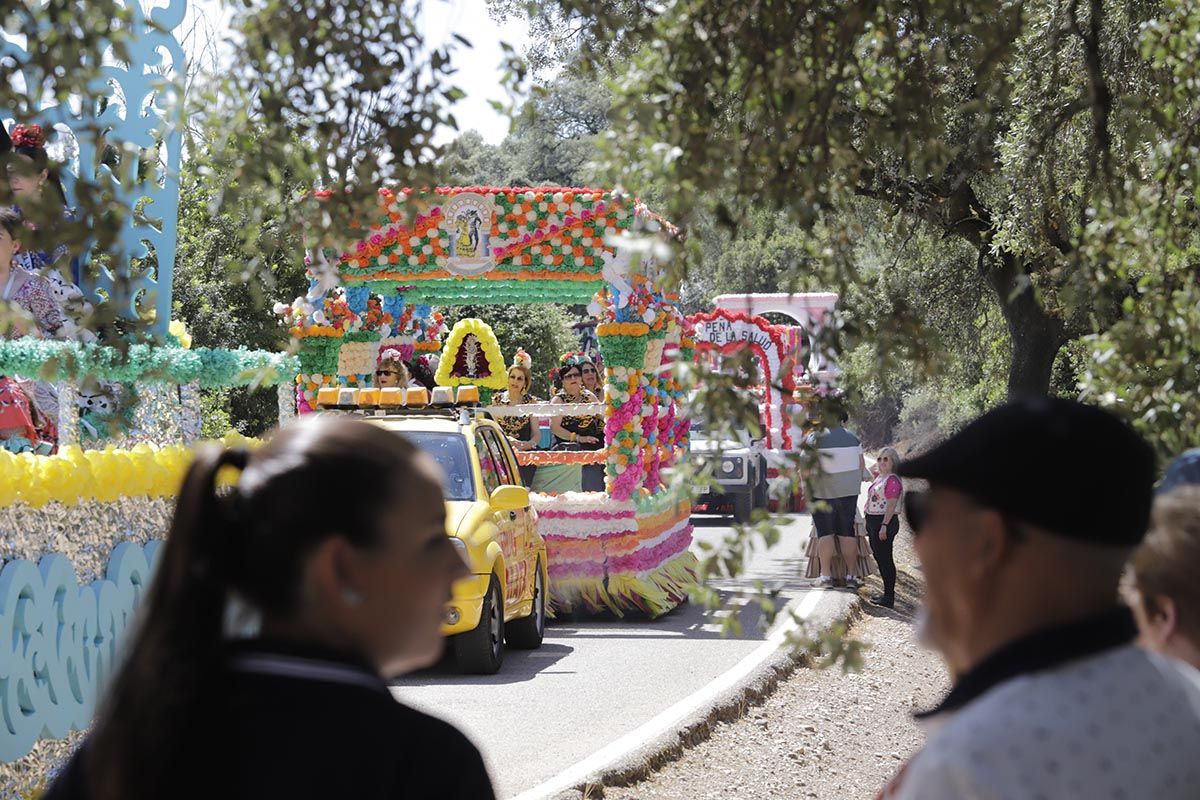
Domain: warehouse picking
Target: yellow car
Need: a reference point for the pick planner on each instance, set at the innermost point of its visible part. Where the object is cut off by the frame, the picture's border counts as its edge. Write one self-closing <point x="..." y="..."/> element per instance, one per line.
<point x="490" y="519"/>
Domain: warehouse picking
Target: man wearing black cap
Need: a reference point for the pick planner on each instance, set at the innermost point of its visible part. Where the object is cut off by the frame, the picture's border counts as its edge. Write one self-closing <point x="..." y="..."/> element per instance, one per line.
<point x="1032" y="512"/>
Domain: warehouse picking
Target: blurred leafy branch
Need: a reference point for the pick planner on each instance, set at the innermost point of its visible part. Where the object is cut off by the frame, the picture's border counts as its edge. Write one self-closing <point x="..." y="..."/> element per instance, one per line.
<point x="1051" y="144"/>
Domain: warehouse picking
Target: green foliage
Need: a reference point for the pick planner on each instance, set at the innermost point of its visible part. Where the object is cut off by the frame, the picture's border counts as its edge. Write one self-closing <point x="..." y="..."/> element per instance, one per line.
<point x="552" y="143"/>
<point x="223" y="299"/>
<point x="1146" y="365"/>
<point x="346" y="97"/>
<point x="1048" y="148"/>
<point x="214" y="413"/>
<point x="224" y="290"/>
<point x="544" y="332"/>
<point x="930" y="414"/>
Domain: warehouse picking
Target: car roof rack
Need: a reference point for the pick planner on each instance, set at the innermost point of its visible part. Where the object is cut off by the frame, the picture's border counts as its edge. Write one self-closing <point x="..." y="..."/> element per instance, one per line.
<point x="403" y="402"/>
<point x="454" y="412"/>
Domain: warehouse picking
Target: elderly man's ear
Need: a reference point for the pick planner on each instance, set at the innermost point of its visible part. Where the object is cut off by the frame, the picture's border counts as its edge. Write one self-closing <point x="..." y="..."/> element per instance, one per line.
<point x="1159" y="620"/>
<point x="989" y="545"/>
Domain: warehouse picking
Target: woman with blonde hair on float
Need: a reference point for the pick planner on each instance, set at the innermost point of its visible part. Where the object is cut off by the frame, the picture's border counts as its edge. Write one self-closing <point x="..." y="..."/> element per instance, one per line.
<point x="522" y="430"/>
<point x="390" y="372"/>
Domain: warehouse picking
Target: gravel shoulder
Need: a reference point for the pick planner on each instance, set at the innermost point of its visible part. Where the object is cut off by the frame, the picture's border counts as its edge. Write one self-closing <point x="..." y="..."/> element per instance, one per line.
<point x="823" y="733"/>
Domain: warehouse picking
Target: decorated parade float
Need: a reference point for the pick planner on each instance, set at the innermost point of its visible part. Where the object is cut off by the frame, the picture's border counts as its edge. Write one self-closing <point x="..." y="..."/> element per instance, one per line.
<point x="625" y="548"/>
<point x="790" y="370"/>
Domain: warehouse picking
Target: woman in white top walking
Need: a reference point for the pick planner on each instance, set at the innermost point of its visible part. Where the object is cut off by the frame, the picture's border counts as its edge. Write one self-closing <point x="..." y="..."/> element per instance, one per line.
<point x="883" y="521"/>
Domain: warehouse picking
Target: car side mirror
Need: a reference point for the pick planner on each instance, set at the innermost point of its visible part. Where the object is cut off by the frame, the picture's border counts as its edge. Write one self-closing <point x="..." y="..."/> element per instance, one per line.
<point x="509" y="498"/>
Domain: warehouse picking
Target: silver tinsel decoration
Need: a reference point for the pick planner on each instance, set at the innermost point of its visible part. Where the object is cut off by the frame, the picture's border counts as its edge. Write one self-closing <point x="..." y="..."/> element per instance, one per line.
<point x="85" y="533"/>
<point x="287" y="402"/>
<point x="189" y="412"/>
<point x="153" y="418"/>
<point x="68" y="413"/>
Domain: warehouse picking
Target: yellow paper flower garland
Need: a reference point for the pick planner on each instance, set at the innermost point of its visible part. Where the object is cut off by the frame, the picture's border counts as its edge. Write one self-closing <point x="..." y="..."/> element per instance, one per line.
<point x="76" y="475"/>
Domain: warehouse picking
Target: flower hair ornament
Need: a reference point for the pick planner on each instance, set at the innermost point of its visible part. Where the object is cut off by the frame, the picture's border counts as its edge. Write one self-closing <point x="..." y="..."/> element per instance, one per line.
<point x="28" y="136"/>
<point x="392" y="354"/>
<point x="569" y="360"/>
<point x="522" y="359"/>
<point x="574" y="360"/>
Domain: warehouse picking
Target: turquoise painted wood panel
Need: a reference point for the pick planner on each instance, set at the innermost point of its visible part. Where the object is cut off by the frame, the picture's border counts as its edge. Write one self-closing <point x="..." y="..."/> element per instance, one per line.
<point x="59" y="641"/>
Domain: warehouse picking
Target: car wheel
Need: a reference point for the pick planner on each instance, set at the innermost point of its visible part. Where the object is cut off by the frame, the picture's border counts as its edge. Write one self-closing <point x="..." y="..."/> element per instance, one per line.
<point x="526" y="633"/>
<point x="742" y="506"/>
<point x="481" y="651"/>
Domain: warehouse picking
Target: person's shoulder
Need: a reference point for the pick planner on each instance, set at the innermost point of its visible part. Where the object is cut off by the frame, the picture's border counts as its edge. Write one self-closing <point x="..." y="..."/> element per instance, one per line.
<point x="589" y="396"/>
<point x="1176" y="677"/>
<point x="1126" y="683"/>
<point x="431" y="731"/>
<point x="940" y="771"/>
<point x="33" y="281"/>
<point x="451" y="765"/>
<point x="847" y="436"/>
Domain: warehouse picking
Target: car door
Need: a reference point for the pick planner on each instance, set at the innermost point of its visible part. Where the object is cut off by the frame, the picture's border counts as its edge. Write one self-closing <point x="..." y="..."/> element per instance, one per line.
<point x="506" y="523"/>
<point x="520" y="567"/>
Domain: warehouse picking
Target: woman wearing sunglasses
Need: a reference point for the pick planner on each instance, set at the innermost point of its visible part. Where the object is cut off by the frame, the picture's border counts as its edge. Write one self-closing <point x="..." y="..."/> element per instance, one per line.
<point x="390" y="372"/>
<point x="582" y="431"/>
<point x="591" y="378"/>
<point x="883" y="521"/>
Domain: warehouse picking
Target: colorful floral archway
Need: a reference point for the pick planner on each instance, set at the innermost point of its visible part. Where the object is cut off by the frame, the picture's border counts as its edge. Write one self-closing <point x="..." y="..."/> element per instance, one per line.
<point x="778" y="349"/>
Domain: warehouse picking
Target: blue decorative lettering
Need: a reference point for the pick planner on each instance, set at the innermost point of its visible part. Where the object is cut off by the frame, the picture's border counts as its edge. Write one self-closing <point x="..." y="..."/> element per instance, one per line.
<point x="59" y="642"/>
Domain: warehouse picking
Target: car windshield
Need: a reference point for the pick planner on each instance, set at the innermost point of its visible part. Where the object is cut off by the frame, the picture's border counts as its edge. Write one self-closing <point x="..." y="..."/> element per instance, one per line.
<point x="449" y="450"/>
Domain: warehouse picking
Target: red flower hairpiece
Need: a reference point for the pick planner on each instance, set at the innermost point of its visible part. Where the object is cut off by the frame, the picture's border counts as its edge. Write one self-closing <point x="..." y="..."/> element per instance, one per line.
<point x="28" y="136"/>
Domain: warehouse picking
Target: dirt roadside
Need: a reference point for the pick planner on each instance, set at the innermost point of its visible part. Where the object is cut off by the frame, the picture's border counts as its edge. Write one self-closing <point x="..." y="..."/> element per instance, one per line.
<point x="822" y="734"/>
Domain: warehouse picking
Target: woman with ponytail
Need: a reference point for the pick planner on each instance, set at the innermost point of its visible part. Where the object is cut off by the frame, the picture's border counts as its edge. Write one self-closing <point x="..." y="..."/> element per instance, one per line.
<point x="347" y="596"/>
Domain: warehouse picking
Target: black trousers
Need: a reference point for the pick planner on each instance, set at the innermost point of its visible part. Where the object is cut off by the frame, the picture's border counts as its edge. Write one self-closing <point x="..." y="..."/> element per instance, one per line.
<point x="882" y="549"/>
<point x="593" y="477"/>
<point x="527" y="473"/>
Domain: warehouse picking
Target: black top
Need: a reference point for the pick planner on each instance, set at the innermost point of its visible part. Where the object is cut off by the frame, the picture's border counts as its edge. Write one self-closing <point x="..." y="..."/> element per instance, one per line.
<point x="587" y="425"/>
<point x="1041" y="650"/>
<point x="521" y="427"/>
<point x="304" y="722"/>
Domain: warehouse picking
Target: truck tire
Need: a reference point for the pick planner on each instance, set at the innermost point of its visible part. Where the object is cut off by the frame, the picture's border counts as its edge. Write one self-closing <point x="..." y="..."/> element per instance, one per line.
<point x="481" y="651"/>
<point x="527" y="633"/>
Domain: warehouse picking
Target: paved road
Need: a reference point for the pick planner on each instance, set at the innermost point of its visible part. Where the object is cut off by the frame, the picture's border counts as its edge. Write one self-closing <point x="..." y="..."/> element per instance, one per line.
<point x="593" y="681"/>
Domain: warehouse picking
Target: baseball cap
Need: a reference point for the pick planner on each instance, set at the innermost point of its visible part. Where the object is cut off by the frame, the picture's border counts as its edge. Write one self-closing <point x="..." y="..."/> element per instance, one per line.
<point x="1183" y="471"/>
<point x="1069" y="468"/>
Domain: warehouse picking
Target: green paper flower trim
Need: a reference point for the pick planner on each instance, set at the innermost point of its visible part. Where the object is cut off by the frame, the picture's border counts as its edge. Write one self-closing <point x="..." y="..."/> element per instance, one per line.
<point x="623" y="351"/>
<point x="361" y="336"/>
<point x="211" y="368"/>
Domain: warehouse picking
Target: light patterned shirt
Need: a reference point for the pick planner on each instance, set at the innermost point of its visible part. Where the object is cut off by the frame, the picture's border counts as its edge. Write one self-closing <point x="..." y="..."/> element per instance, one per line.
<point x="1120" y="724"/>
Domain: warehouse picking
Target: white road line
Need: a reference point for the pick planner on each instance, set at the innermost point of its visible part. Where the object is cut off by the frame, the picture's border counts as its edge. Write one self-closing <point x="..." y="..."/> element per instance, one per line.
<point x="671" y="717"/>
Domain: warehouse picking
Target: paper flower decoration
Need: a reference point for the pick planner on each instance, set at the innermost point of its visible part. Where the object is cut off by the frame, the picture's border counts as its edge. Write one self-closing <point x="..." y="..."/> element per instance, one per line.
<point x="181" y="333"/>
<point x="472" y="356"/>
